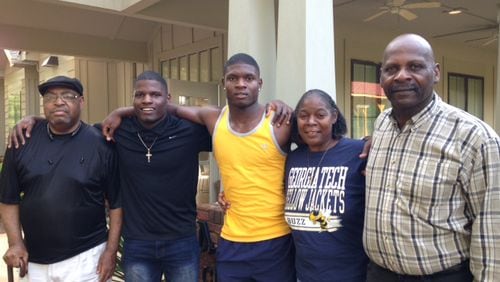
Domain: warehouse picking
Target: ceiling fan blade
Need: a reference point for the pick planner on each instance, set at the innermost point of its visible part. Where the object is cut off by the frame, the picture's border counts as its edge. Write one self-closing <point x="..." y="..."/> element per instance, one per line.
<point x="422" y="5"/>
<point x="409" y="16"/>
<point x="375" y="16"/>
<point x="465" y="31"/>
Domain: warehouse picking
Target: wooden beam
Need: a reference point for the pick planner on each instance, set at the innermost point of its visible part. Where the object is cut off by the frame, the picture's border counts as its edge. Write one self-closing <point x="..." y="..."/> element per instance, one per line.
<point x="72" y="44"/>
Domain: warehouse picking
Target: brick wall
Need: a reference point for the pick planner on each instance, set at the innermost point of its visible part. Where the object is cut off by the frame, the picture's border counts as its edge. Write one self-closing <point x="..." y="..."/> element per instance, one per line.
<point x="214" y="217"/>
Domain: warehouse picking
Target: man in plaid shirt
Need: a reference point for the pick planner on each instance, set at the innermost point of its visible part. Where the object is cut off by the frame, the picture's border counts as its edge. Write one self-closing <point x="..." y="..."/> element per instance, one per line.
<point x="433" y="179"/>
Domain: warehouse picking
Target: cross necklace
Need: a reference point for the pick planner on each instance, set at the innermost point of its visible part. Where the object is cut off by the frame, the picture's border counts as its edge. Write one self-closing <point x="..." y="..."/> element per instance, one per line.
<point x="148" y="154"/>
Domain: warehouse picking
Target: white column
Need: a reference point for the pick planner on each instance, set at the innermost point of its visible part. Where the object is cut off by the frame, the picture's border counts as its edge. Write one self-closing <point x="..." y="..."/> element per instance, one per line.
<point x="251" y="30"/>
<point x="497" y="86"/>
<point x="305" y="57"/>
<point x="2" y="116"/>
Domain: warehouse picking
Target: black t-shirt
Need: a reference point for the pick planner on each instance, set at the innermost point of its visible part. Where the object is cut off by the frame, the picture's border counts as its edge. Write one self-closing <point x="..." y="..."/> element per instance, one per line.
<point x="61" y="183"/>
<point x="159" y="197"/>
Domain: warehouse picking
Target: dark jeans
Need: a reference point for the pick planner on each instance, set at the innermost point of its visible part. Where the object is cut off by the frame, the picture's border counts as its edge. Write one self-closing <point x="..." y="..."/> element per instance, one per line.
<point x="146" y="261"/>
<point x="457" y="273"/>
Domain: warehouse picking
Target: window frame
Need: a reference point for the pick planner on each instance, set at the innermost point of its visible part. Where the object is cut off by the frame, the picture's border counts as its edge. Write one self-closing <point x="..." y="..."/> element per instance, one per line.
<point x="466" y="78"/>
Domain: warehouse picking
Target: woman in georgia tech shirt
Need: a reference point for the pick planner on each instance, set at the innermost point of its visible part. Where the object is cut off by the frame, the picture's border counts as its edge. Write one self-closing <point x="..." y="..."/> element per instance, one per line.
<point x="325" y="194"/>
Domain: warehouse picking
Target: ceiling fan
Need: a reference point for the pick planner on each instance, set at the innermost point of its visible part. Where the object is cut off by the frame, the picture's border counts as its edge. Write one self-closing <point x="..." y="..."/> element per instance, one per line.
<point x="400" y="8"/>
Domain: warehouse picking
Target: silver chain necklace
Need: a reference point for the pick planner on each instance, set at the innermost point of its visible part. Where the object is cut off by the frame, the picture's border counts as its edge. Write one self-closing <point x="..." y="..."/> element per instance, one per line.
<point x="148" y="154"/>
<point x="322" y="156"/>
<point x="320" y="160"/>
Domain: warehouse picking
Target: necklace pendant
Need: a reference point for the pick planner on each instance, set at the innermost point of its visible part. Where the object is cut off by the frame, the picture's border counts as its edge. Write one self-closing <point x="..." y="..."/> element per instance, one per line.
<point x="148" y="154"/>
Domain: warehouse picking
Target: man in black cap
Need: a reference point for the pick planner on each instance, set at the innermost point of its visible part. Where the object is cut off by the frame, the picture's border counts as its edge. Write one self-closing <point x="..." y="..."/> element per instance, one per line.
<point x="55" y="189"/>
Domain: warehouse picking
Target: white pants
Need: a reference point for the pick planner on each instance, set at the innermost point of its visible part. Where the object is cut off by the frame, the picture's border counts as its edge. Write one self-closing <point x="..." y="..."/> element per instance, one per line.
<point x="80" y="268"/>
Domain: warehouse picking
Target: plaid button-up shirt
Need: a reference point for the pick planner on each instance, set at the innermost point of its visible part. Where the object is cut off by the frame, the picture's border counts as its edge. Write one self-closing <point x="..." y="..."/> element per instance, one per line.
<point x="433" y="193"/>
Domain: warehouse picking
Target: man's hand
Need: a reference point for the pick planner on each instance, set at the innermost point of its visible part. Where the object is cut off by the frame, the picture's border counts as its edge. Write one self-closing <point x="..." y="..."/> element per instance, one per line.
<point x="110" y="124"/>
<point x="113" y="121"/>
<point x="283" y="113"/>
<point x="366" y="148"/>
<point x="17" y="256"/>
<point x="20" y="130"/>
<point x="225" y="205"/>
<point x="106" y="266"/>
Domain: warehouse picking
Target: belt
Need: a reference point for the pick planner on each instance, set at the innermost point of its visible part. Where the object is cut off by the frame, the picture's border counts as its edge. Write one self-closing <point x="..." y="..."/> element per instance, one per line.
<point x="461" y="267"/>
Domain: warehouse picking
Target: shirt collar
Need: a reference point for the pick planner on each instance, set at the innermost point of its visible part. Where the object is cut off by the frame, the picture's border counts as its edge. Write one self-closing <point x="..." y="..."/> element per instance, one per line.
<point x="71" y="134"/>
<point x="157" y="130"/>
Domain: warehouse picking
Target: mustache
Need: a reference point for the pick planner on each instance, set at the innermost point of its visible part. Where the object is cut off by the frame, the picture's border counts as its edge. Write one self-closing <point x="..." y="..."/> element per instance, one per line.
<point x="59" y="110"/>
<point x="401" y="88"/>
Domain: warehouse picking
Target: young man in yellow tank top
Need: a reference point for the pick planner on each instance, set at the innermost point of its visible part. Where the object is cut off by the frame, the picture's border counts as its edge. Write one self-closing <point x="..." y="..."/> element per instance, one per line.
<point x="255" y="240"/>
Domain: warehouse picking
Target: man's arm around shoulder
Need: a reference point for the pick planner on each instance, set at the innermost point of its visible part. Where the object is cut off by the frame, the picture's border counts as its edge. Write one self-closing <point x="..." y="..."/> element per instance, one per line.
<point x="206" y="115"/>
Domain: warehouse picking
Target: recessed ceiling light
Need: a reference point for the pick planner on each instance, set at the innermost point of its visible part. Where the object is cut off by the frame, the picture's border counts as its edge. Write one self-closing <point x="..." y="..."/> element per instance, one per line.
<point x="455" y="11"/>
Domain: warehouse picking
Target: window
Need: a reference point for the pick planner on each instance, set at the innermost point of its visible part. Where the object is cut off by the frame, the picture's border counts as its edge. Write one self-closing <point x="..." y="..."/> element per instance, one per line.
<point x="13" y="109"/>
<point x="466" y="92"/>
<point x="202" y="66"/>
<point x="367" y="97"/>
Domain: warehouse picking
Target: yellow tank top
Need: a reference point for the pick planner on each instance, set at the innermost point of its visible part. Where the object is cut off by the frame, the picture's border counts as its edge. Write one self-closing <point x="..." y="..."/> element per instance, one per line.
<point x="252" y="168"/>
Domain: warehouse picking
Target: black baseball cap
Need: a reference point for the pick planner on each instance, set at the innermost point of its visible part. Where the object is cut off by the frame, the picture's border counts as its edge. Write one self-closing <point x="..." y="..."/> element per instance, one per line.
<point x="61" y="81"/>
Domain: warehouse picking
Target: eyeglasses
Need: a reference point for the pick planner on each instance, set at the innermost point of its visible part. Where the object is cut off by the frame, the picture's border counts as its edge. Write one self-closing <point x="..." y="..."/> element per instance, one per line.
<point x="66" y="97"/>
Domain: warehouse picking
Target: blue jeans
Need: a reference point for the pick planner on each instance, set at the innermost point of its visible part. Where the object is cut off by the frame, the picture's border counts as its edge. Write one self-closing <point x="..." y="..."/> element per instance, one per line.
<point x="147" y="261"/>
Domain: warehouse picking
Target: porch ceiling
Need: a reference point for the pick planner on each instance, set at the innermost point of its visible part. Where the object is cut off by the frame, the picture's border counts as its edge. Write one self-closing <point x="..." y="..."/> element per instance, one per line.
<point x="122" y="29"/>
<point x="431" y="23"/>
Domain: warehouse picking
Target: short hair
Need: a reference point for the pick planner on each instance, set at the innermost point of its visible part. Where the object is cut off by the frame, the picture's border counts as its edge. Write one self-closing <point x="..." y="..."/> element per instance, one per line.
<point x="241" y="58"/>
<point x="151" y="75"/>
<point x="339" y="128"/>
